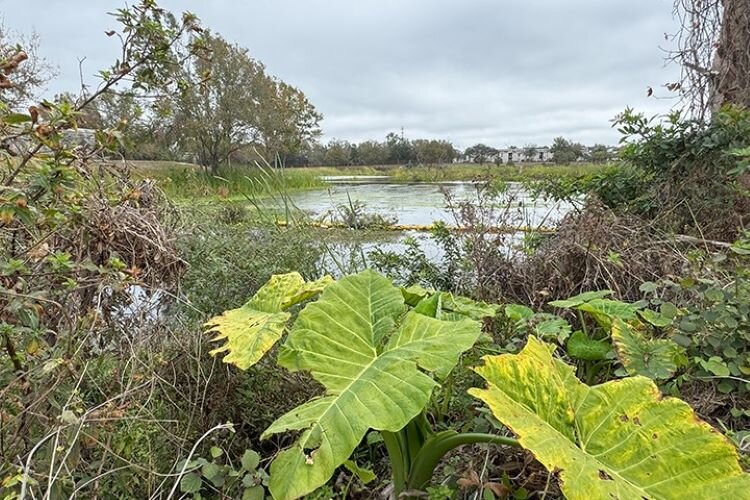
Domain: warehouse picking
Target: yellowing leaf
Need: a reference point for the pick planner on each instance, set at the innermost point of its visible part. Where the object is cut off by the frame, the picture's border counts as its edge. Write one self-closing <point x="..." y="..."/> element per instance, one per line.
<point x="641" y="355"/>
<point x="350" y="341"/>
<point x="251" y="330"/>
<point x="32" y="347"/>
<point x="619" y="440"/>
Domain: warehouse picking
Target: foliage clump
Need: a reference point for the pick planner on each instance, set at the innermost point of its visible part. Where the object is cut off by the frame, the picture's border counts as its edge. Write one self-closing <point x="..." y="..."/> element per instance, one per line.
<point x="685" y="175"/>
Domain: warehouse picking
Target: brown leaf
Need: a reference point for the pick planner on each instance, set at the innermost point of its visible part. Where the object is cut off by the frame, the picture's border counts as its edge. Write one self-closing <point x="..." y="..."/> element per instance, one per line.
<point x="500" y="490"/>
<point x="34" y="112"/>
<point x="471" y="480"/>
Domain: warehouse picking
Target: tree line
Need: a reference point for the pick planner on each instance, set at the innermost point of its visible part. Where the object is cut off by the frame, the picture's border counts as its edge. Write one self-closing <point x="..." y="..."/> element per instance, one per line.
<point x="397" y="150"/>
<point x="229" y="110"/>
<point x="394" y="150"/>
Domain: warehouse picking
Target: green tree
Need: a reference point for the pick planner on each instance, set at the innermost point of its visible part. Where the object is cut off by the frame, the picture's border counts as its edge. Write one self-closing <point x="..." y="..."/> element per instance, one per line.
<point x="218" y="113"/>
<point x="565" y="151"/>
<point x="371" y="153"/>
<point x="233" y="103"/>
<point x="288" y="122"/>
<point x="481" y="153"/>
<point x="433" y="152"/>
<point x="400" y="150"/>
<point x="599" y="153"/>
<point x="338" y="153"/>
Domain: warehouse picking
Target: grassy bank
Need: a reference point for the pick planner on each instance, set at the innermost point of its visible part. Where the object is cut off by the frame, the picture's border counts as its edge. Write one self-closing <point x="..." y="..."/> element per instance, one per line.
<point x="508" y="173"/>
<point x="189" y="181"/>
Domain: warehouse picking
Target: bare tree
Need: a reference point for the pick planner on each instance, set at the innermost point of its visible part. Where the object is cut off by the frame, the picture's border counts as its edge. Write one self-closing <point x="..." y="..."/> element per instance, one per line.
<point x="713" y="49"/>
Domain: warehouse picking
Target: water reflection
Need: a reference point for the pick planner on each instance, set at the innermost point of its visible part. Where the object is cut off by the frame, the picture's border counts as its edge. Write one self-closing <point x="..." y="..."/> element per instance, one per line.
<point x="416" y="204"/>
<point x="421" y="203"/>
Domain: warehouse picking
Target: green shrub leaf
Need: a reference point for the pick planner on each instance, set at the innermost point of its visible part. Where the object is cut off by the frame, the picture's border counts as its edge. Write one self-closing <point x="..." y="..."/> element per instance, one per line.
<point x="551" y="326"/>
<point x="250" y="460"/>
<point x="350" y="342"/>
<point x="16" y="118"/>
<point x="190" y="483"/>
<point x="363" y="473"/>
<point x="654" y="318"/>
<point x="254" y="493"/>
<point x="517" y="312"/>
<point x="620" y="439"/>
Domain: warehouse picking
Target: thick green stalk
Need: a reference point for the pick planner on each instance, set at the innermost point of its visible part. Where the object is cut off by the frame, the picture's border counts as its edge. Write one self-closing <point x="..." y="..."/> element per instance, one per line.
<point x="403" y="446"/>
<point x="435" y="448"/>
<point x="398" y="459"/>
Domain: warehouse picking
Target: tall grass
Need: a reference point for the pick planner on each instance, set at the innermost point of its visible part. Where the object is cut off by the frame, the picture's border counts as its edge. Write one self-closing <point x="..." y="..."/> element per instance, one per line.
<point x="188" y="181"/>
<point x="237" y="182"/>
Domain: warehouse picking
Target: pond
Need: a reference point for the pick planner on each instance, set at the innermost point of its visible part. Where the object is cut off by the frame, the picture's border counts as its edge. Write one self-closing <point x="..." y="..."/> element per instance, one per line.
<point x="417" y="204"/>
<point x="423" y="203"/>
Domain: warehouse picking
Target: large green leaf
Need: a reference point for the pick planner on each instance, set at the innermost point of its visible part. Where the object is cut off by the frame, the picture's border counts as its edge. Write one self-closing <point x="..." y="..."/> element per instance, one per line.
<point x="603" y="310"/>
<point x="580" y="346"/>
<point x="518" y="312"/>
<point x="455" y="307"/>
<point x="606" y="310"/>
<point x="619" y="440"/>
<point x="373" y="371"/>
<point x="642" y="355"/>
<point x="580" y="299"/>
<point x="251" y="330"/>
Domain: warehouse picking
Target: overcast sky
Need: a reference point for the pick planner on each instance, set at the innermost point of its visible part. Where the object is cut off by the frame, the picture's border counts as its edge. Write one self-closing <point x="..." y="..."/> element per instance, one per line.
<point x="499" y="72"/>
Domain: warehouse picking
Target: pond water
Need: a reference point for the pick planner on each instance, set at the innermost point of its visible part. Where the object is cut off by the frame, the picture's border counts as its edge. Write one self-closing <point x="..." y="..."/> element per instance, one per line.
<point x="418" y="204"/>
<point x="423" y="203"/>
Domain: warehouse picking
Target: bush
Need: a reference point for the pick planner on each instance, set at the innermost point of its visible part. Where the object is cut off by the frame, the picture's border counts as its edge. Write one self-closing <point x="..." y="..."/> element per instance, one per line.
<point x="685" y="175"/>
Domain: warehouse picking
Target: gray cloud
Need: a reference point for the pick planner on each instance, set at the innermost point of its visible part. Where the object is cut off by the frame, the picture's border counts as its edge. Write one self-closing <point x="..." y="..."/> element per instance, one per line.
<point x="494" y="71"/>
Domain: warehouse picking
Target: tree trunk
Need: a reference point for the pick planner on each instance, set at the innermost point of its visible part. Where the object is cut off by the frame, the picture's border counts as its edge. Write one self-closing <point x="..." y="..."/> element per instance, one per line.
<point x="731" y="63"/>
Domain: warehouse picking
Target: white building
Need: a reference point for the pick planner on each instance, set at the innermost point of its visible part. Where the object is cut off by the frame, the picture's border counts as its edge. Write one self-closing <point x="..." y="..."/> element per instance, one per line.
<point x="521" y="155"/>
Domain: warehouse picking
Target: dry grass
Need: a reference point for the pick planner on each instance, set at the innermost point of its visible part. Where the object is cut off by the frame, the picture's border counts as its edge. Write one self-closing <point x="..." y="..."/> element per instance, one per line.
<point x="597" y="250"/>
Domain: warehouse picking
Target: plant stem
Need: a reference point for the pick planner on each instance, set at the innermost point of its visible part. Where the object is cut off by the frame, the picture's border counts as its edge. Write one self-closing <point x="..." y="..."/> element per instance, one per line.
<point x="399" y="465"/>
<point x="404" y="446"/>
<point x="435" y="448"/>
<point x="583" y="322"/>
<point x="12" y="354"/>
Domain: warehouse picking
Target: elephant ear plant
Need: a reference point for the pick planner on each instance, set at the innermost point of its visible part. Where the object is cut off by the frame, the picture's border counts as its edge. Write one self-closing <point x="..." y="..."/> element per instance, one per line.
<point x="619" y="439"/>
<point x="380" y="356"/>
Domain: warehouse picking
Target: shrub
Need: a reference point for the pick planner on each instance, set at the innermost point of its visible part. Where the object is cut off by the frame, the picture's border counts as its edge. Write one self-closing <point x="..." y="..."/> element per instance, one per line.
<point x="685" y="174"/>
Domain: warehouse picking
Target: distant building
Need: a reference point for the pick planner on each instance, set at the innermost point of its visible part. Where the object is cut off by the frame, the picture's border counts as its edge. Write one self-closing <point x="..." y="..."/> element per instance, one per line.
<point x="520" y="155"/>
<point x="540" y="154"/>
